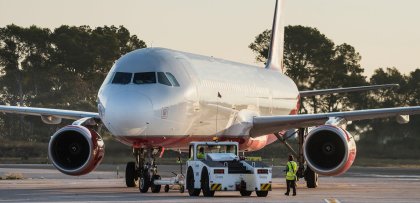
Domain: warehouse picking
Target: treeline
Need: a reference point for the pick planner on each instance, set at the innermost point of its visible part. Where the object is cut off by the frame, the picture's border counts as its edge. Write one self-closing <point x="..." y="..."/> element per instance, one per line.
<point x="64" y="68"/>
<point x="313" y="61"/>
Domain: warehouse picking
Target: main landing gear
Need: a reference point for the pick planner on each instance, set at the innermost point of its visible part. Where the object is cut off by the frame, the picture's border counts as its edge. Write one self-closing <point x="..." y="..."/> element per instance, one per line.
<point x="143" y="172"/>
<point x="310" y="176"/>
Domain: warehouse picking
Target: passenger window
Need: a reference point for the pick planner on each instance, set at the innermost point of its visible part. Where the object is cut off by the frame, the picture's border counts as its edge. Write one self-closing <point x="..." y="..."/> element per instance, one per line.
<point x="172" y="79"/>
<point x="162" y="79"/>
<point x="144" y="78"/>
<point x="122" y="78"/>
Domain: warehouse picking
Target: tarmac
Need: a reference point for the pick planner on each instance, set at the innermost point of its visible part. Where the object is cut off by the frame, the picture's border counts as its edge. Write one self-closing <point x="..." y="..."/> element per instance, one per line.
<point x="42" y="183"/>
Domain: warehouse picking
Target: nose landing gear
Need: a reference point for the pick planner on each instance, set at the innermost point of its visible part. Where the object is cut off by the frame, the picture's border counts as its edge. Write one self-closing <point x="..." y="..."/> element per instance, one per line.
<point x="143" y="171"/>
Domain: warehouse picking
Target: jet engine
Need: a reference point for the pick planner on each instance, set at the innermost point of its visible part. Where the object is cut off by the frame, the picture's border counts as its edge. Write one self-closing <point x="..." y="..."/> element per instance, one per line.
<point x="329" y="150"/>
<point x="76" y="150"/>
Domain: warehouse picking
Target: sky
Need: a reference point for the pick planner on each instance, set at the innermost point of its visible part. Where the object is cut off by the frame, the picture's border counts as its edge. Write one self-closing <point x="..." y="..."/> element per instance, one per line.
<point x="385" y="32"/>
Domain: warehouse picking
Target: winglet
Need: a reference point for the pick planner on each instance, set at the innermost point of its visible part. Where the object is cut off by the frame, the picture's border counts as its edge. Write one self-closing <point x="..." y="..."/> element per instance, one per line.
<point x="275" y="54"/>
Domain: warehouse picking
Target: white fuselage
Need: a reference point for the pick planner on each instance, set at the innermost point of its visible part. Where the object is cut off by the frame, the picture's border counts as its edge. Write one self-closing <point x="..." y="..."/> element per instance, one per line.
<point x="214" y="98"/>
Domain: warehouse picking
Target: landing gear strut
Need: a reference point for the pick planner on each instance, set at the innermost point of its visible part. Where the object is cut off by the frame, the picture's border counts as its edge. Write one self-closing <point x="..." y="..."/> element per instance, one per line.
<point x="143" y="171"/>
<point x="310" y="176"/>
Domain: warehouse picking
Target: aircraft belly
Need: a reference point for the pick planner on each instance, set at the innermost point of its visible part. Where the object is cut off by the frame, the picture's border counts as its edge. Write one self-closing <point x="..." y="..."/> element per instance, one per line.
<point x="182" y="142"/>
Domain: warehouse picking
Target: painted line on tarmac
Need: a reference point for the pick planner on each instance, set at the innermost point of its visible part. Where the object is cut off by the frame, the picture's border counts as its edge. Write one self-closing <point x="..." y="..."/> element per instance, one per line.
<point x="331" y="200"/>
<point x="396" y="177"/>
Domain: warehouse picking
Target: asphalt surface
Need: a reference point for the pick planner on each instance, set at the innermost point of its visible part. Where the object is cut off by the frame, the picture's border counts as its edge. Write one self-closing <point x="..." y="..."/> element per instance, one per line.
<point x="42" y="183"/>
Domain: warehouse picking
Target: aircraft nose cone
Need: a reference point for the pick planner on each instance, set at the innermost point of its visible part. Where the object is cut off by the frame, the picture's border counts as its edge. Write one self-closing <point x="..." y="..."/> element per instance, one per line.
<point x="128" y="113"/>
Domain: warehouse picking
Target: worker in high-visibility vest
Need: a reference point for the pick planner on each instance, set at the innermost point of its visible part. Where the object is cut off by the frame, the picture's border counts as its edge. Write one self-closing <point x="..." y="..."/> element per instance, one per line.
<point x="291" y="169"/>
<point x="201" y="154"/>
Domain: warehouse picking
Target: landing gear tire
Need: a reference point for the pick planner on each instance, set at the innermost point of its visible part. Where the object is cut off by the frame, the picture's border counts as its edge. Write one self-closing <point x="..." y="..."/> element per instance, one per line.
<point x="181" y="189"/>
<point x="190" y="184"/>
<point x="311" y="178"/>
<point x="245" y="193"/>
<point x="155" y="188"/>
<point x="144" y="182"/>
<point x="205" y="184"/>
<point x="131" y="176"/>
<point x="166" y="188"/>
<point x="262" y="193"/>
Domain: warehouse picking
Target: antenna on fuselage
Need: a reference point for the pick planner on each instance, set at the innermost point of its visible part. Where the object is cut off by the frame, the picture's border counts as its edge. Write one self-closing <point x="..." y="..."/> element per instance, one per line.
<point x="275" y="54"/>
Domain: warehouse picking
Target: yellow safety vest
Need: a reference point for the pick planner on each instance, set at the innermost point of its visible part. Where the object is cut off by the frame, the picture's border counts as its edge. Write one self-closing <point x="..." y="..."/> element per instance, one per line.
<point x="200" y="156"/>
<point x="291" y="170"/>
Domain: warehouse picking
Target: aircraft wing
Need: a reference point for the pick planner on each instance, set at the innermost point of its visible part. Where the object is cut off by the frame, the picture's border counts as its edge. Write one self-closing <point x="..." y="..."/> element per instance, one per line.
<point x="263" y="125"/>
<point x="57" y="113"/>
<point x="309" y="93"/>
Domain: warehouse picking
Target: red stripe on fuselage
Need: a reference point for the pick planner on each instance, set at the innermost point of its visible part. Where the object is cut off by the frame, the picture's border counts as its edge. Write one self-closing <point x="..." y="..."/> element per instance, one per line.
<point x="296" y="109"/>
<point x="182" y="142"/>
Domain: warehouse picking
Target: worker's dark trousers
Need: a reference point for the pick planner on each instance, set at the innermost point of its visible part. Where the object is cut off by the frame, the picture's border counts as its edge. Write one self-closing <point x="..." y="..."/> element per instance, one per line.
<point x="291" y="183"/>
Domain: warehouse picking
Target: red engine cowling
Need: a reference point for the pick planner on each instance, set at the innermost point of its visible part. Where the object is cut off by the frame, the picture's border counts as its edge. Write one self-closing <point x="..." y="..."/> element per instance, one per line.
<point x="76" y="150"/>
<point x="329" y="150"/>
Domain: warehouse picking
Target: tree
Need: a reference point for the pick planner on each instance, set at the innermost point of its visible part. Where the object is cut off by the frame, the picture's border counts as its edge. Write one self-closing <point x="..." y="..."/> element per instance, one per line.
<point x="314" y="62"/>
<point x="84" y="56"/>
<point x="413" y="86"/>
<point x="23" y="52"/>
<point x="344" y="71"/>
<point x="393" y="140"/>
<point x="389" y="97"/>
<point x="59" y="69"/>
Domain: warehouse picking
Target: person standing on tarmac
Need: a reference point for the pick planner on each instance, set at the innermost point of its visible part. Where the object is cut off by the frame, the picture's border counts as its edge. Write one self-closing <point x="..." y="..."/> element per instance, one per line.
<point x="291" y="177"/>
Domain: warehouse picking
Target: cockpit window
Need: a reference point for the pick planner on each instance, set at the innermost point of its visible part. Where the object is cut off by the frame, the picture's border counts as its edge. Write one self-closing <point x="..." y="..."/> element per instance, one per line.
<point x="122" y="78"/>
<point x="150" y="77"/>
<point x="144" y="78"/>
<point x="162" y="79"/>
<point x="172" y="79"/>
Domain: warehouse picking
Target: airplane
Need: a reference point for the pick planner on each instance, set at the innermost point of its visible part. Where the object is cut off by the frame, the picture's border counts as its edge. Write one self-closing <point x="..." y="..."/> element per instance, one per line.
<point x="156" y="98"/>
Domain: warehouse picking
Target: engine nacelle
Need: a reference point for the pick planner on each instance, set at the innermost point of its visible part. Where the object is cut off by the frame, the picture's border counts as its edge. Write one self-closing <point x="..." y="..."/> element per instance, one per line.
<point x="76" y="150"/>
<point x="329" y="150"/>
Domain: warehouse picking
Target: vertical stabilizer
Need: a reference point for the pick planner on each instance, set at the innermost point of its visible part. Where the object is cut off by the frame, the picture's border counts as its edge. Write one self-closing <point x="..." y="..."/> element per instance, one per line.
<point x="275" y="54"/>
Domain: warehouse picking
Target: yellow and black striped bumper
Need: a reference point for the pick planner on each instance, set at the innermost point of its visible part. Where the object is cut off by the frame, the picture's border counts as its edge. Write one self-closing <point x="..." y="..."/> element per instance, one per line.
<point x="265" y="187"/>
<point x="215" y="187"/>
